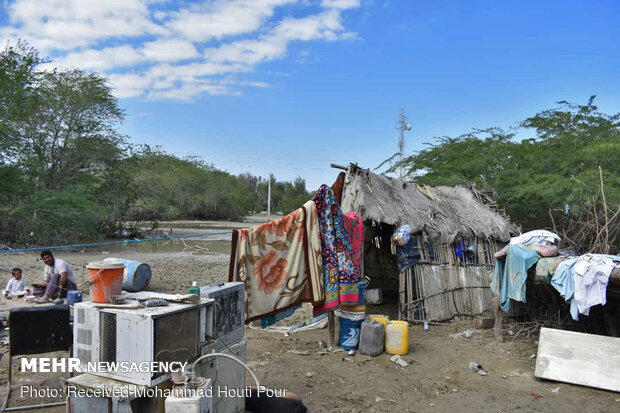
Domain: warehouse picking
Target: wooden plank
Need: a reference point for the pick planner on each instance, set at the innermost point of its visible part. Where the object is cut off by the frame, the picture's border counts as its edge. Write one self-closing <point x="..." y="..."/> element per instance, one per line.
<point x="578" y="358"/>
<point x="401" y="295"/>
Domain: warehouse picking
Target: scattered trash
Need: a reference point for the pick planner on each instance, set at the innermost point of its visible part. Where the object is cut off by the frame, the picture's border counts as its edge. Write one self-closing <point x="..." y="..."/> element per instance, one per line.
<point x="504" y="377"/>
<point x="556" y="390"/>
<point x="380" y="399"/>
<point x="538" y="396"/>
<point x="455" y="390"/>
<point x="533" y="356"/>
<point x="346" y="359"/>
<point x="511" y="333"/>
<point x="309" y="374"/>
<point x="300" y="352"/>
<point x="478" y="368"/>
<point x="351" y="352"/>
<point x="467" y="334"/>
<point x="396" y="359"/>
<point x="426" y="326"/>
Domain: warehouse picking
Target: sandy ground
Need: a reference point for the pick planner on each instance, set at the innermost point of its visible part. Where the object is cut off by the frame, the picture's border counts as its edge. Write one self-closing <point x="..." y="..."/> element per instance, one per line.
<point x="437" y="379"/>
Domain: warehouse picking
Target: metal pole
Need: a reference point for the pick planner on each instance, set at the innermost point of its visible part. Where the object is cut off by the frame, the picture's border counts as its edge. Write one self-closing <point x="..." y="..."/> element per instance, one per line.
<point x="269" y="199"/>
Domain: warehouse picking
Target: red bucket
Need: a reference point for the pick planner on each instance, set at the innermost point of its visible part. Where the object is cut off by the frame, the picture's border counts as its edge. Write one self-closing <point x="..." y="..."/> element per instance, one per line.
<point x="105" y="279"/>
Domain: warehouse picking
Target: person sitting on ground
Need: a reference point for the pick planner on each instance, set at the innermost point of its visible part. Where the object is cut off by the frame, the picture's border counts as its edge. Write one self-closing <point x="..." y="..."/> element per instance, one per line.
<point x="58" y="278"/>
<point x="16" y="286"/>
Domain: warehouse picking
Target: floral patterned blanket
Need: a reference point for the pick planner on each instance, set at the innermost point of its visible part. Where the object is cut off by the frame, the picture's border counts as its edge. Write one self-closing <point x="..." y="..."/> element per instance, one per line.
<point x="279" y="262"/>
<point x="339" y="271"/>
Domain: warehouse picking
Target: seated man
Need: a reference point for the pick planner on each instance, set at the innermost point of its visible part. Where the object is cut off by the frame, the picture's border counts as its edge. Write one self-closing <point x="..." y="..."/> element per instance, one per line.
<point x="58" y="278"/>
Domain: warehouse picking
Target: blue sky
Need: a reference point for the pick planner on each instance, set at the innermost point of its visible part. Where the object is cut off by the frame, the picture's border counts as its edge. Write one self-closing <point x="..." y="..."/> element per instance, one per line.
<point x="290" y="86"/>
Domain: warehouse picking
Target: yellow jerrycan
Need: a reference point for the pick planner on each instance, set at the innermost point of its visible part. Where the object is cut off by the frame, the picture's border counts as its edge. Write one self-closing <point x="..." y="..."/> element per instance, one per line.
<point x="397" y="337"/>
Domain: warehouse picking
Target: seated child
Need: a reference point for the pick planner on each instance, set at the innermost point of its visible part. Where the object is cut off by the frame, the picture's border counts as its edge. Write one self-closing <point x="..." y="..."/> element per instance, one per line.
<point x="16" y="286"/>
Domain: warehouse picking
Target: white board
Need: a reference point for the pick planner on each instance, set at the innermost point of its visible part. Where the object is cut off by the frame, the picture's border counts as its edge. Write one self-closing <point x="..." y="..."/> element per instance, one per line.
<point x="578" y="358"/>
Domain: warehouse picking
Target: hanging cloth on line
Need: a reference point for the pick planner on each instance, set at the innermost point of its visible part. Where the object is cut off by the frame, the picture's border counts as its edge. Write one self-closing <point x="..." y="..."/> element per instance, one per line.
<point x="509" y="278"/>
<point x="339" y="273"/>
<point x="279" y="262"/>
<point x="354" y="225"/>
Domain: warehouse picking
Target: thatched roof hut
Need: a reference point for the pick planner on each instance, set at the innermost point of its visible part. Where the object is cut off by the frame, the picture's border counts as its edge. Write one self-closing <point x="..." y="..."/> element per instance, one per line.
<point x="443" y="213"/>
<point x="443" y="282"/>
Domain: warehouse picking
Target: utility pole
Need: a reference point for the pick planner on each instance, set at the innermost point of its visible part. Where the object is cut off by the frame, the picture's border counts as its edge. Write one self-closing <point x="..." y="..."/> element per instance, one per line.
<point x="402" y="126"/>
<point x="269" y="199"/>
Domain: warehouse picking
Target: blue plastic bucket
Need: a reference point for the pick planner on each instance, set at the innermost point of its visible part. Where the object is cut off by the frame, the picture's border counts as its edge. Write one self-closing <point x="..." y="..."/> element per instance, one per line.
<point x="349" y="334"/>
<point x="137" y="274"/>
<point x="74" y="296"/>
<point x="362" y="291"/>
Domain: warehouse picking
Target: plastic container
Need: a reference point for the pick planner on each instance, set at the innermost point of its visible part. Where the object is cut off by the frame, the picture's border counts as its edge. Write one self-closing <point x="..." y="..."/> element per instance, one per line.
<point x="372" y="336"/>
<point x="383" y="319"/>
<point x="136" y="276"/>
<point x="349" y="333"/>
<point x="194" y="288"/>
<point x="374" y="296"/>
<point x="397" y="337"/>
<point x="106" y="279"/>
<point x="354" y="308"/>
<point x="362" y="291"/>
<point x="74" y="296"/>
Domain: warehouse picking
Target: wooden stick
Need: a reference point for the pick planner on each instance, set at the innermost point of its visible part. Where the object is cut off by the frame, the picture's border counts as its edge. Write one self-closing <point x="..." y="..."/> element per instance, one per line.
<point x="606" y="247"/>
<point x="330" y="328"/>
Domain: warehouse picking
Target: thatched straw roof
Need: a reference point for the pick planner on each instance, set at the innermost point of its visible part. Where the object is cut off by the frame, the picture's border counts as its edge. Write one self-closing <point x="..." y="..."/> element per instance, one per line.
<point x="442" y="213"/>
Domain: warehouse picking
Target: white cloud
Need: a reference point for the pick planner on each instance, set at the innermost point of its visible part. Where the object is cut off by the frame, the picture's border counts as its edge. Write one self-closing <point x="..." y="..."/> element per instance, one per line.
<point x="321" y="26"/>
<point x="102" y="60"/>
<point x="67" y="24"/>
<point x="169" y="50"/>
<point x="166" y="49"/>
<point x="340" y="4"/>
<point x="250" y="52"/>
<point x="223" y="18"/>
<point x="274" y="45"/>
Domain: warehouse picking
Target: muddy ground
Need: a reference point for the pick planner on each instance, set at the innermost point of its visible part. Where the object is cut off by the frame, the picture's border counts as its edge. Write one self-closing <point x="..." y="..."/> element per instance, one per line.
<point x="437" y="379"/>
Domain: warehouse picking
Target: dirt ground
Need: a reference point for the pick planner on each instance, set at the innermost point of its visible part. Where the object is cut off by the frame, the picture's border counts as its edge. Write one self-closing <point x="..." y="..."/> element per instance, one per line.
<point x="437" y="379"/>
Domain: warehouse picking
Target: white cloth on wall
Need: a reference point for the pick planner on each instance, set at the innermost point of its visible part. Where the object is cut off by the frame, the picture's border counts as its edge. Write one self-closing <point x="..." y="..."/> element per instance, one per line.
<point x="536" y="237"/>
<point x="591" y="275"/>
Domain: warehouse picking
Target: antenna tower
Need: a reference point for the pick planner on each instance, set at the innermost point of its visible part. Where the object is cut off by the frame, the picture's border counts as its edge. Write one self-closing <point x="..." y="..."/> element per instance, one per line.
<point x="402" y="126"/>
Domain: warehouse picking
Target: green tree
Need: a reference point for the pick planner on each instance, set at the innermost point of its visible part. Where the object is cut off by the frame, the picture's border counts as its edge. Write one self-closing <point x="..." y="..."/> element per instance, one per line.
<point x="58" y="140"/>
<point x="72" y="131"/>
<point x="556" y="170"/>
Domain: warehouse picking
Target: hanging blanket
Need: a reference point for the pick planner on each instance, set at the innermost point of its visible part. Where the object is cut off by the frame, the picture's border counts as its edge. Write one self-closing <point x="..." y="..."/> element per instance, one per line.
<point x="279" y="262"/>
<point x="354" y="224"/>
<point x="339" y="272"/>
<point x="510" y="275"/>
